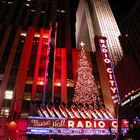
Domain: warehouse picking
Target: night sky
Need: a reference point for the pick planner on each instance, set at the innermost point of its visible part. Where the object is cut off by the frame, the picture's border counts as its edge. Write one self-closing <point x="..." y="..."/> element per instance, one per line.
<point x="121" y="9"/>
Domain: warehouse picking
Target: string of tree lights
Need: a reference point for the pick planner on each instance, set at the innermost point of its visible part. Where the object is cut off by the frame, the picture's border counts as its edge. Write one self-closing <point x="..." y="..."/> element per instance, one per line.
<point x="86" y="91"/>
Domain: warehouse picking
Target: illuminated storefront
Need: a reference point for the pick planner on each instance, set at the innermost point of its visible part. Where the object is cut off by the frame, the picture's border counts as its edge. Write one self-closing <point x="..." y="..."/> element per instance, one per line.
<point x="129" y="109"/>
<point x="68" y="127"/>
<point x="72" y="121"/>
<point x="108" y="82"/>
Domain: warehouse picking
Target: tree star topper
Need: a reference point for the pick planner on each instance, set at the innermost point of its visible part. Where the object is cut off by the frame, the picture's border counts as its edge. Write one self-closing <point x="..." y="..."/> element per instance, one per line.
<point x="82" y="44"/>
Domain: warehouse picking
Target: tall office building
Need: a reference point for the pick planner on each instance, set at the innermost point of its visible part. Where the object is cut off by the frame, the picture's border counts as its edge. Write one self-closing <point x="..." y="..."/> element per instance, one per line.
<point x="34" y="38"/>
<point x="37" y="62"/>
<point x="38" y="66"/>
<point x="95" y="17"/>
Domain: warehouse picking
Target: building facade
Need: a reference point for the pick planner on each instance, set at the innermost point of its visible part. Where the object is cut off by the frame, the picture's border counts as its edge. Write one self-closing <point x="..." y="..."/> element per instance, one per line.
<point x="30" y="32"/>
<point x="95" y="17"/>
<point x="38" y="63"/>
<point x="128" y="70"/>
<point x="36" y="57"/>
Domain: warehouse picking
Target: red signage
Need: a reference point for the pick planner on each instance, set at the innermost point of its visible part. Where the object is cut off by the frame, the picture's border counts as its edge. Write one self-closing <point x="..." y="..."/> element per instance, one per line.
<point x="48" y="123"/>
<point x="108" y="64"/>
<point x="74" y="123"/>
<point x="73" y="126"/>
<point x="91" y="124"/>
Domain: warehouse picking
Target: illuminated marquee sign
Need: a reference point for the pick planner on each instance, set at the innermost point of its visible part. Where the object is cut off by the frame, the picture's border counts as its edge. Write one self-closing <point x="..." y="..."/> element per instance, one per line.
<point x="49" y="123"/>
<point x="109" y="69"/>
<point x="38" y="125"/>
<point x="130" y="98"/>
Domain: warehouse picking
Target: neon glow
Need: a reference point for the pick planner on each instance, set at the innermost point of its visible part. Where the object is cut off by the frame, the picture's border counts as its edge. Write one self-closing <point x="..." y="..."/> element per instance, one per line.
<point x="80" y="110"/>
<point x="130" y="98"/>
<point x="62" y="109"/>
<point x="70" y="112"/>
<point x="8" y="94"/>
<point x="87" y="112"/>
<point x="109" y="70"/>
<point x="39" y="125"/>
<point x="44" y="111"/>
<point x="57" y="112"/>
<point x="50" y="111"/>
<point x="93" y="113"/>
<point x="72" y="131"/>
<point x="91" y="123"/>
<point x="74" y="123"/>
<point x="76" y="113"/>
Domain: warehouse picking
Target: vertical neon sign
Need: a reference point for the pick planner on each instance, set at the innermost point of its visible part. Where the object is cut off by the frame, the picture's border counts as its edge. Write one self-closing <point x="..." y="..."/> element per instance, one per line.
<point x="109" y="69"/>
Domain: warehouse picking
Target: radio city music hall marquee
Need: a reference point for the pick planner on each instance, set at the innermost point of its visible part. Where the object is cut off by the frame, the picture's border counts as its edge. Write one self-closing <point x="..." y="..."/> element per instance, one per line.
<point x="108" y="64"/>
<point x="37" y="125"/>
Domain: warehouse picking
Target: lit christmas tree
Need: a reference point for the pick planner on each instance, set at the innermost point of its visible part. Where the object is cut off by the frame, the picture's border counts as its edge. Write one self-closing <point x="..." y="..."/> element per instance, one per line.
<point x="86" y="92"/>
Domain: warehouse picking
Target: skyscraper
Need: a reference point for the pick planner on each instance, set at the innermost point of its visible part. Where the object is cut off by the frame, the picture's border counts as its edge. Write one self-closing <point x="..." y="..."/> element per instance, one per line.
<point x="34" y="37"/>
<point x="37" y="62"/>
<point x="38" y="65"/>
<point x="95" y="17"/>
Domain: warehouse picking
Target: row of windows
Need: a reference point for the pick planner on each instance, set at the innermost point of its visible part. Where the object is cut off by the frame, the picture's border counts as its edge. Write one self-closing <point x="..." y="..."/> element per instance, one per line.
<point x="106" y="27"/>
<point x="31" y="13"/>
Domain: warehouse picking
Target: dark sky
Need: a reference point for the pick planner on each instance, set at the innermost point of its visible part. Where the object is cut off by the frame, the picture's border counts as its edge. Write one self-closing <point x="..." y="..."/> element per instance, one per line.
<point x="121" y="9"/>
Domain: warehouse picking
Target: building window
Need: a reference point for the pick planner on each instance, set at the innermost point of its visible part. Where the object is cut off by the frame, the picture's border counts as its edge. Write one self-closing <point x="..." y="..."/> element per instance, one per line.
<point x="28" y="88"/>
<point x="25" y="109"/>
<point x="5" y="112"/>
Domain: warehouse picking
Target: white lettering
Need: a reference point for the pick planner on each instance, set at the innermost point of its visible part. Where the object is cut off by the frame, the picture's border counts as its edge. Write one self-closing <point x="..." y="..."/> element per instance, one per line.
<point x="102" y="41"/>
<point x="107" y="60"/>
<point x="114" y="124"/>
<point x="135" y="96"/>
<point x="109" y="70"/>
<point x="113" y="89"/>
<point x="104" y="50"/>
<point x="110" y="76"/>
<point x="80" y="124"/>
<point x="125" y="102"/>
<point x="71" y="124"/>
<point x="106" y="56"/>
<point x="101" y="124"/>
<point x="88" y="124"/>
<point x="112" y="82"/>
<point x="95" y="124"/>
<point x="103" y="46"/>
